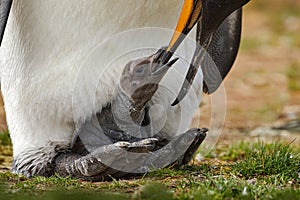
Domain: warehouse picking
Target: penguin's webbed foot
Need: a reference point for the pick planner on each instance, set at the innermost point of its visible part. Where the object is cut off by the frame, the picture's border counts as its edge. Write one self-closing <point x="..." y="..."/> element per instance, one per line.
<point x="126" y="159"/>
<point x="190" y="152"/>
<point x="98" y="165"/>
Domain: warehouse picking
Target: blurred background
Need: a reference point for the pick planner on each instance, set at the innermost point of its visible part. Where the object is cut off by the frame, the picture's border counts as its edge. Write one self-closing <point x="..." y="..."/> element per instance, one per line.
<point x="263" y="89"/>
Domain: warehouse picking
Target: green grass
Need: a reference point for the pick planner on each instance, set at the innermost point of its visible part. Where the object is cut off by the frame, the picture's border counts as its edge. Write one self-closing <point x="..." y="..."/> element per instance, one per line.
<point x="4" y="138"/>
<point x="276" y="163"/>
<point x="240" y="171"/>
<point x="5" y="146"/>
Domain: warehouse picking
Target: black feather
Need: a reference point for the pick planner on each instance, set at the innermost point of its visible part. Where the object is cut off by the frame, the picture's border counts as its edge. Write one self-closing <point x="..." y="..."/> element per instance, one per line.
<point x="5" y="6"/>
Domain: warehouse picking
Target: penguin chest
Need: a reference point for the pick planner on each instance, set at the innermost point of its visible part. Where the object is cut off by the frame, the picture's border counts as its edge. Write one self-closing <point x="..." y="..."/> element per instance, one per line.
<point x="46" y="43"/>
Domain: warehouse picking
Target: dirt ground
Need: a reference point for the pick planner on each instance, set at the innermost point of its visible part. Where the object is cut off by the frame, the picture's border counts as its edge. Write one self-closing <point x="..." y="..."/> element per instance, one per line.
<point x="263" y="89"/>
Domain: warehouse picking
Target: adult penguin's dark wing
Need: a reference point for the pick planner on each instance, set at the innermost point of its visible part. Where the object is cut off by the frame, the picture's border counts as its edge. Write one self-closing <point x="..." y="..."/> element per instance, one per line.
<point x="5" y="6"/>
<point x="222" y="51"/>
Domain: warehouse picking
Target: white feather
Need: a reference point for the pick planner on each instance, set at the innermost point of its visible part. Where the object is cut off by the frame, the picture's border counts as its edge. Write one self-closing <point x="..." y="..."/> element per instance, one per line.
<point x="44" y="46"/>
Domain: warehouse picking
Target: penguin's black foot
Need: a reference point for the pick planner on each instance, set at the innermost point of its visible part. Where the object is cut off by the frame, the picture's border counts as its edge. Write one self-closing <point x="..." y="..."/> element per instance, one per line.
<point x="189" y="154"/>
<point x="105" y="161"/>
<point x="127" y="159"/>
<point x="175" y="152"/>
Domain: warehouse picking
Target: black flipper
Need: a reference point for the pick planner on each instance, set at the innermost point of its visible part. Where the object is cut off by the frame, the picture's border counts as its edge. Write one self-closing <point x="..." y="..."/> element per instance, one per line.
<point x="5" y="6"/>
<point x="223" y="50"/>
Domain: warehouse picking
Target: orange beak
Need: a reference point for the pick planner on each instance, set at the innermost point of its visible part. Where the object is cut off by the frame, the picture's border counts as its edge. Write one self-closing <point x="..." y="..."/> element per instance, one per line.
<point x="190" y="15"/>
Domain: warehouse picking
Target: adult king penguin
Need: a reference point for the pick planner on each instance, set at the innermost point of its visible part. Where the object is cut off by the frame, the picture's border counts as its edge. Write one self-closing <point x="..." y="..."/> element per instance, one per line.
<point x="43" y="44"/>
